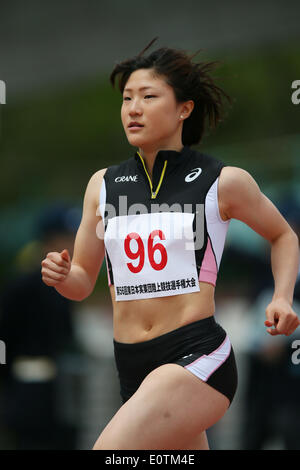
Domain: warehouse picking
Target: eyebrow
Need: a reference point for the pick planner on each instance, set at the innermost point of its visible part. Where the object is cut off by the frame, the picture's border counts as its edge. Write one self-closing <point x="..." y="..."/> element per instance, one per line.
<point x="140" y="89"/>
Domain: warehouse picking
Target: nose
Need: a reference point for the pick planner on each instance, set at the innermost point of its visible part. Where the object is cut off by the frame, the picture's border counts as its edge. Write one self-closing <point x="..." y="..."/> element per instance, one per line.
<point x="135" y="108"/>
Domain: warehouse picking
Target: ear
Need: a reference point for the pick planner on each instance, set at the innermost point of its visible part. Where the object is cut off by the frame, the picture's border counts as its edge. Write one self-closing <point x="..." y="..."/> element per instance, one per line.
<point x="186" y="109"/>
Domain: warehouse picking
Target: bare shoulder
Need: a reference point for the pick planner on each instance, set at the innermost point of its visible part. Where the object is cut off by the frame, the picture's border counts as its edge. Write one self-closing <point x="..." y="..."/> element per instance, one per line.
<point x="92" y="192"/>
<point x="231" y="176"/>
<point x="240" y="198"/>
<point x="96" y="179"/>
<point x="236" y="187"/>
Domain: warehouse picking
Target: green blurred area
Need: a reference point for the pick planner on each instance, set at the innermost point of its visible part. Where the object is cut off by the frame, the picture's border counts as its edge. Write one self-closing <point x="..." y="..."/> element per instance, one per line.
<point x="52" y="142"/>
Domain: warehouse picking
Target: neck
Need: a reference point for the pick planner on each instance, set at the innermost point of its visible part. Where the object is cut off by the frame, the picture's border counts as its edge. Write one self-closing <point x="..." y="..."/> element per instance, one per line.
<point x="149" y="155"/>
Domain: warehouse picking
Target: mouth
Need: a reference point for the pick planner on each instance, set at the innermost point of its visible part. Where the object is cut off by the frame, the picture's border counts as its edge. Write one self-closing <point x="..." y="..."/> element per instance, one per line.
<point x="135" y="126"/>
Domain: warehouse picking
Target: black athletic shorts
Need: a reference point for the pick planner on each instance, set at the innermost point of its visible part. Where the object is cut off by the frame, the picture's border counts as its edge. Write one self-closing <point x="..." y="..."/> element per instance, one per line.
<point x="202" y="347"/>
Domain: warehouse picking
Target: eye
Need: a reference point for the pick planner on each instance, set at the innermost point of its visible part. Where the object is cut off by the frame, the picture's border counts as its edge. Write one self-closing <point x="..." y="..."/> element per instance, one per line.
<point x="150" y="96"/>
<point x="126" y="98"/>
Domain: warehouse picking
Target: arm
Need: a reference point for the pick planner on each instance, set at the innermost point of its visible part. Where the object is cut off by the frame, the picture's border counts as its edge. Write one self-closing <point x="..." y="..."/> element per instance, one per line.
<point x="76" y="280"/>
<point x="240" y="198"/>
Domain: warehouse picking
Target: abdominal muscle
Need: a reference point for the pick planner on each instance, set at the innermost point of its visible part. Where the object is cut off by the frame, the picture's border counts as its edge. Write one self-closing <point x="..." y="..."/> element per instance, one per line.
<point x="141" y="320"/>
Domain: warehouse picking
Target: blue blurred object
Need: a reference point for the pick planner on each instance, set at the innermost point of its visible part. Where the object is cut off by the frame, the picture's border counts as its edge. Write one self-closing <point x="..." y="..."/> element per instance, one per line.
<point x="289" y="207"/>
<point x="58" y="218"/>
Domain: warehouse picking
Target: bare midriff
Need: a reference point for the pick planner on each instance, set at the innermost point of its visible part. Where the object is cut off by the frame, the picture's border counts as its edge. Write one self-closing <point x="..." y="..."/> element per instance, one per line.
<point x="144" y="319"/>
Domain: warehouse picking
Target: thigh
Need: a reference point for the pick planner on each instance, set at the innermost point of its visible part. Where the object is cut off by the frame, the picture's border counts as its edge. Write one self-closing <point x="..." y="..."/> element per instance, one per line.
<point x="168" y="411"/>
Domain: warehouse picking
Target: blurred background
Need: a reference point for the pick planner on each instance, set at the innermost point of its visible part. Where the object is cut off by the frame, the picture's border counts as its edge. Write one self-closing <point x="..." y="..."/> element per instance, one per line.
<point x="61" y="123"/>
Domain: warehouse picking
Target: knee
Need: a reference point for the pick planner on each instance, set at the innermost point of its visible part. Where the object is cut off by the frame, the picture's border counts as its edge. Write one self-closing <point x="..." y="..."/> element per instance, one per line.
<point x="105" y="442"/>
<point x="100" y="443"/>
<point x="97" y="445"/>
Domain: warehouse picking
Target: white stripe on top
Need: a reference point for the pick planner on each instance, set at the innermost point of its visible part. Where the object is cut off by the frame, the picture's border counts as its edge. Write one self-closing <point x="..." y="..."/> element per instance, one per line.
<point x="217" y="228"/>
<point x="206" y="365"/>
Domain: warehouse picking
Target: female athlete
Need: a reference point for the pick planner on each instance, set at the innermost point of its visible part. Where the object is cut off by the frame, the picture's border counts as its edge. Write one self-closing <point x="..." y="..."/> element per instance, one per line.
<point x="160" y="219"/>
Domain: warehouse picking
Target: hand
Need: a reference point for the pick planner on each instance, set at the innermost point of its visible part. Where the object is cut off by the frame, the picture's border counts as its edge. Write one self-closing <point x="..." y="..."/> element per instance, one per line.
<point x="282" y="317"/>
<point x="56" y="267"/>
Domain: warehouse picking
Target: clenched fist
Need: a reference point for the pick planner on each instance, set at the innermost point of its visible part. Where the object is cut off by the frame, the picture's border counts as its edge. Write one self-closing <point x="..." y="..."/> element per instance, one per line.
<point x="56" y="267"/>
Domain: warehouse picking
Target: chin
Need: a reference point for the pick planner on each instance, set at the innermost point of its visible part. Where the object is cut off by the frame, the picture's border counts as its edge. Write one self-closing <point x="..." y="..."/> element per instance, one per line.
<point x="136" y="141"/>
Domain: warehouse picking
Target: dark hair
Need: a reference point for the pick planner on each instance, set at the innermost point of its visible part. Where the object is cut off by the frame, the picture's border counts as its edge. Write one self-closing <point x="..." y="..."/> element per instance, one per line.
<point x="189" y="80"/>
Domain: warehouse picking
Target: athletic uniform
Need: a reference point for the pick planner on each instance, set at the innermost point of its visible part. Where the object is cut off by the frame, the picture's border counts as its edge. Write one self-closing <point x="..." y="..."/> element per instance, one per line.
<point x="161" y="238"/>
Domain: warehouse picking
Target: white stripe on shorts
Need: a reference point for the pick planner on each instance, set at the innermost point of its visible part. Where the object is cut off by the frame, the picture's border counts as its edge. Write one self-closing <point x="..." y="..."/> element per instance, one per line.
<point x="205" y="365"/>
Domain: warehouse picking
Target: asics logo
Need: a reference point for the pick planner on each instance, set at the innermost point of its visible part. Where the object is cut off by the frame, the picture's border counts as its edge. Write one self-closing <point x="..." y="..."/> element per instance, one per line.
<point x="121" y="179"/>
<point x="193" y="175"/>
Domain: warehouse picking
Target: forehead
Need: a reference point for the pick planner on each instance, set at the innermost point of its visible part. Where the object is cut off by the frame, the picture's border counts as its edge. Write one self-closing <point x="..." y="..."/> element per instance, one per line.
<point x="145" y="78"/>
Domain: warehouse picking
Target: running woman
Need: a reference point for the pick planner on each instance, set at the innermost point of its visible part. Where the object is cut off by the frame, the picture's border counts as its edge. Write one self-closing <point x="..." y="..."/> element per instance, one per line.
<point x="160" y="219"/>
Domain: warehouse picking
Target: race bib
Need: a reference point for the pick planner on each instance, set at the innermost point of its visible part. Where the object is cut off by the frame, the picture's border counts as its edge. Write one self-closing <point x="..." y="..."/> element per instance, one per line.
<point x="152" y="255"/>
